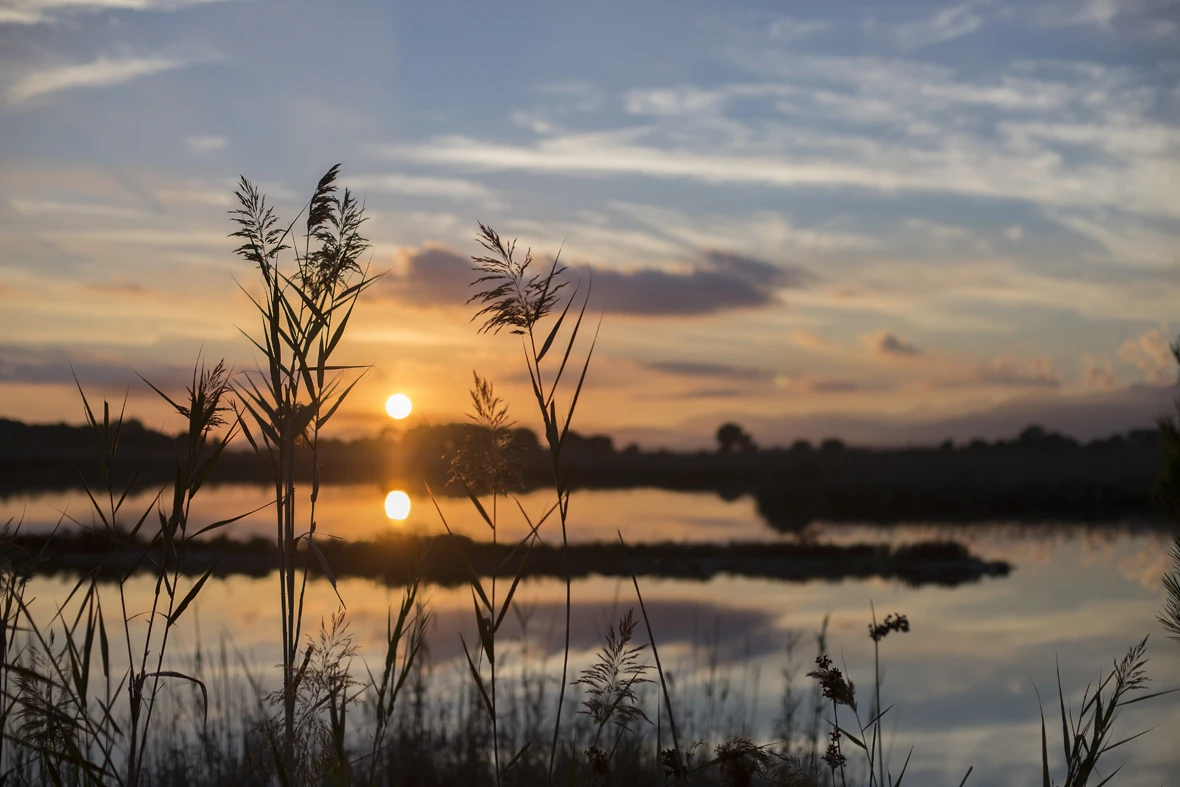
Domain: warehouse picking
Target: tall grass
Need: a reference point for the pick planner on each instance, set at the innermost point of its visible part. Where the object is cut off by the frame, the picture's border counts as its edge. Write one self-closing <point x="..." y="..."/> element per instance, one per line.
<point x="65" y="729"/>
<point x="1169" y="497"/>
<point x="297" y="390"/>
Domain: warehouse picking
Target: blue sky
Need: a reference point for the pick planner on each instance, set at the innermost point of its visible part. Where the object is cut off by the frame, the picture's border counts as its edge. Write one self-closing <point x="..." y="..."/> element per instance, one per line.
<point x="887" y="221"/>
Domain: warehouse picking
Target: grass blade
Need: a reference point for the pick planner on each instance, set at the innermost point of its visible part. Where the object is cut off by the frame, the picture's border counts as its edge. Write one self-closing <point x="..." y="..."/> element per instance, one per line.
<point x="192" y="594"/>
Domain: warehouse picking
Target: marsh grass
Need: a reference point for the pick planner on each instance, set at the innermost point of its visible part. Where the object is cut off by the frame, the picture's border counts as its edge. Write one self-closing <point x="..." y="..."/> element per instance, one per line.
<point x="1169" y="498"/>
<point x="1088" y="736"/>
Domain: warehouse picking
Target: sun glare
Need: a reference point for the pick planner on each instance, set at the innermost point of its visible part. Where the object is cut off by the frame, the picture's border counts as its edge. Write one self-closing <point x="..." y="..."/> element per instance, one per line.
<point x="398" y="406"/>
<point x="397" y="505"/>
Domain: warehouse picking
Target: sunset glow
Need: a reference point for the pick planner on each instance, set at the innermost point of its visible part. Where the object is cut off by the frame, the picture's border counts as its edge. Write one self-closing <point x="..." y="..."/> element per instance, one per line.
<point x="398" y="406"/>
<point x="884" y="223"/>
<point x="397" y="505"/>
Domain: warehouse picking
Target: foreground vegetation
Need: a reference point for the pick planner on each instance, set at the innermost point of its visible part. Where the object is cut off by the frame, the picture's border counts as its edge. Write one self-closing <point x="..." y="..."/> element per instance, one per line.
<point x="90" y="694"/>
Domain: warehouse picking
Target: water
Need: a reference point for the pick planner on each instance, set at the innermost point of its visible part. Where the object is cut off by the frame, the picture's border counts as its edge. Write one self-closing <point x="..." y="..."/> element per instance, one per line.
<point x="962" y="680"/>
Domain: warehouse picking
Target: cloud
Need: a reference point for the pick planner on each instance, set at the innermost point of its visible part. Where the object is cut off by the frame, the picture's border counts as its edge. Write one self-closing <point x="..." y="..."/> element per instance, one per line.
<point x="889" y="343"/>
<point x="32" y="12"/>
<point x="787" y="28"/>
<point x="205" y="144"/>
<point x="447" y="188"/>
<point x="1125" y="241"/>
<point x="56" y="366"/>
<point x="119" y="285"/>
<point x="1139" y="16"/>
<point x="1098" y="373"/>
<point x="1152" y="355"/>
<point x="21" y="16"/>
<point x="34" y="207"/>
<point x="1005" y="372"/>
<point x="1053" y="133"/>
<point x="716" y="370"/>
<point x="969" y="170"/>
<point x="946" y="25"/>
<point x="833" y="386"/>
<point x="810" y="341"/>
<point x="436" y="276"/>
<point x="103" y="72"/>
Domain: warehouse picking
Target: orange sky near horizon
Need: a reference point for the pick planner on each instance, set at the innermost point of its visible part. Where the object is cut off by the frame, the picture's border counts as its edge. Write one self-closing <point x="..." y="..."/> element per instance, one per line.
<point x="887" y="224"/>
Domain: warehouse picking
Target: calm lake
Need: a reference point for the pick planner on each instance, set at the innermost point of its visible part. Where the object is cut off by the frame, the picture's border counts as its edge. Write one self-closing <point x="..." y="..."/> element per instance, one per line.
<point x="962" y="681"/>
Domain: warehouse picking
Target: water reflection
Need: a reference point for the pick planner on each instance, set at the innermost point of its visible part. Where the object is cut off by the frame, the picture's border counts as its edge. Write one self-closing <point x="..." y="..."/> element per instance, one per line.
<point x="962" y="679"/>
<point x="397" y="505"/>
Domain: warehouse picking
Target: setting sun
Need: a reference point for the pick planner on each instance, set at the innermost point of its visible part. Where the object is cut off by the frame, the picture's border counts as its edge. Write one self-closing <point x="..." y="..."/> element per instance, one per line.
<point x="398" y="406"/>
<point x="397" y="505"/>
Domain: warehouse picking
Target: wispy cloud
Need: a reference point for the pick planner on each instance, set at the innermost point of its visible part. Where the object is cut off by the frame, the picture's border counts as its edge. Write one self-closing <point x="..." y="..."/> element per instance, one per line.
<point x="1005" y="372"/>
<point x="1057" y="134"/>
<point x="102" y="72"/>
<point x="947" y="24"/>
<point x="119" y="285"/>
<point x="712" y="370"/>
<point x="31" y="12"/>
<point x="35" y="207"/>
<point x="20" y="16"/>
<point x="1127" y="242"/>
<point x="51" y="364"/>
<point x="808" y="340"/>
<point x="1127" y="16"/>
<point x="419" y="186"/>
<point x="205" y="144"/>
<point x="787" y="28"/>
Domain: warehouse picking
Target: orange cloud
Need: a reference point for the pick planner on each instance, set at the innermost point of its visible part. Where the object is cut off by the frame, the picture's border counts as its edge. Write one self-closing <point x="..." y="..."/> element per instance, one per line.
<point x="1005" y="372"/>
<point x="1151" y="354"/>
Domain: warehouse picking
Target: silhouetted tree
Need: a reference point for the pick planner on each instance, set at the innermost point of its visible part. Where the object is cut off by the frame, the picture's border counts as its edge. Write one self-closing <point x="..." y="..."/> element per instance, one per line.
<point x="1033" y="434"/>
<point x="731" y="438"/>
<point x="832" y="445"/>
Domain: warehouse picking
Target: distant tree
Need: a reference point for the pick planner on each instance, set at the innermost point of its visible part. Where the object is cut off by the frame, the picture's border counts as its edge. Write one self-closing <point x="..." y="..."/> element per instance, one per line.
<point x="801" y="447"/>
<point x="731" y="438"/>
<point x="947" y="445"/>
<point x="832" y="445"/>
<point x="525" y="440"/>
<point x="1033" y="434"/>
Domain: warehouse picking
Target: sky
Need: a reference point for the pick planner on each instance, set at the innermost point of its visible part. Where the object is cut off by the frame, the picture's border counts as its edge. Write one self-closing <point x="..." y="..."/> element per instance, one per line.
<point x="887" y="222"/>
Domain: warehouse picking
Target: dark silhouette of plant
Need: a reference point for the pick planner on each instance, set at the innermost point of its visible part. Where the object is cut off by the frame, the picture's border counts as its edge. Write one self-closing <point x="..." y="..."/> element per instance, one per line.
<point x="610" y="687"/>
<point x="1168" y="493"/>
<point x="511" y="297"/>
<point x="1086" y="738"/>
<point x="287" y="401"/>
